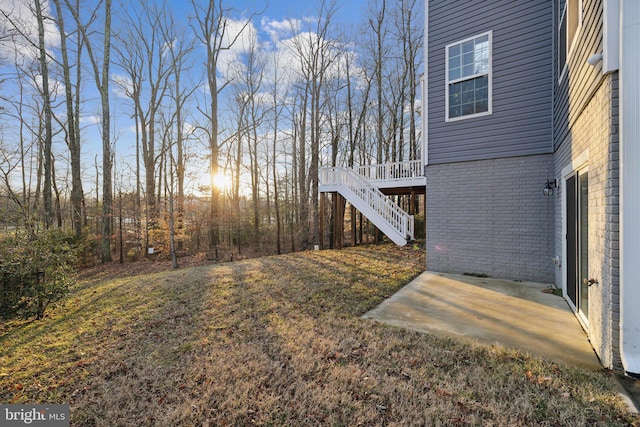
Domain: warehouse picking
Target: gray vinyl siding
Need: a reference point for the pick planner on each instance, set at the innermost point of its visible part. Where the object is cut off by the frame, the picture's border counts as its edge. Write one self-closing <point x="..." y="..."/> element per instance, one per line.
<point x="522" y="80"/>
<point x="581" y="80"/>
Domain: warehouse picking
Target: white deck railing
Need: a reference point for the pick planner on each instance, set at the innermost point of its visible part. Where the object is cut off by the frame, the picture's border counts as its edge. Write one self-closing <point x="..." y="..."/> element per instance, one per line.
<point x="395" y="171"/>
<point x="380" y="209"/>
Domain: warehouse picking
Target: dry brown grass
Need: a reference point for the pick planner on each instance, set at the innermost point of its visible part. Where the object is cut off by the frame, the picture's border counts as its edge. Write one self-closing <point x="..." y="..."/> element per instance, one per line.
<point x="279" y="341"/>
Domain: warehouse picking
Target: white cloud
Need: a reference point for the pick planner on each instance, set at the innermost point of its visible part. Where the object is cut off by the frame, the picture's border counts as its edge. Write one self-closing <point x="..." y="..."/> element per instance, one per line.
<point x="19" y="30"/>
<point x="245" y="34"/>
<point x="283" y="45"/>
<point x="277" y="30"/>
<point x="56" y="87"/>
<point x="90" y="120"/>
<point x="299" y="49"/>
<point x="188" y="129"/>
<point x="123" y="86"/>
<point x="238" y="39"/>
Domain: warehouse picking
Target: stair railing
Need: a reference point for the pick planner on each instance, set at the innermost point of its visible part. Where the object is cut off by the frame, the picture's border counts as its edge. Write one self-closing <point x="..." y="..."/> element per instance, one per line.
<point x="394" y="171"/>
<point x="382" y="205"/>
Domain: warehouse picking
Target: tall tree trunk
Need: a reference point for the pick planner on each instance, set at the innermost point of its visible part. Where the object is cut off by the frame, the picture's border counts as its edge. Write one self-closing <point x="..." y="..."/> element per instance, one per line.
<point x="138" y="197"/>
<point x="73" y="138"/>
<point x="255" y="183"/>
<point x="80" y="44"/>
<point x="172" y="234"/>
<point x="58" y="208"/>
<point x="315" y="155"/>
<point x="23" y="167"/>
<point x="294" y="175"/>
<point x="107" y="160"/>
<point x="180" y="168"/>
<point x="302" y="167"/>
<point x="236" y="178"/>
<point x="378" y="29"/>
<point x="120" y="228"/>
<point x="48" y="133"/>
<point x="102" y="84"/>
<point x="276" y="199"/>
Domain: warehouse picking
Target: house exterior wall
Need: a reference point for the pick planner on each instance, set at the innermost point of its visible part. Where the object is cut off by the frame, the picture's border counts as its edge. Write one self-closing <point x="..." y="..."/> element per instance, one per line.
<point x="574" y="89"/>
<point x="522" y="40"/>
<point x="491" y="217"/>
<point x="586" y="131"/>
<point x="485" y="211"/>
<point x="594" y="139"/>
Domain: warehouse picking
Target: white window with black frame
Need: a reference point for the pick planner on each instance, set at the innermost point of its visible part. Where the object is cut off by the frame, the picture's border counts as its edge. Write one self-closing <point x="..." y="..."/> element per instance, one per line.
<point x="468" y="77"/>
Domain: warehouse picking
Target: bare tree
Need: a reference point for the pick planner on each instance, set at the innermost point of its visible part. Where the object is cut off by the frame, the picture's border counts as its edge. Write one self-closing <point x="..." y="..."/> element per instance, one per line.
<point x="179" y="49"/>
<point x="344" y="106"/>
<point x="212" y="30"/>
<point x="356" y="122"/>
<point x="300" y="164"/>
<point x="168" y="142"/>
<point x="72" y="128"/>
<point x="378" y="26"/>
<point x="18" y="34"/>
<point x="240" y="135"/>
<point x="251" y="81"/>
<point x="410" y="33"/>
<point x="131" y="60"/>
<point x="48" y="132"/>
<point x="10" y="161"/>
<point x="28" y="150"/>
<point x="317" y="53"/>
<point x="277" y="109"/>
<point x="145" y="54"/>
<point x="101" y="77"/>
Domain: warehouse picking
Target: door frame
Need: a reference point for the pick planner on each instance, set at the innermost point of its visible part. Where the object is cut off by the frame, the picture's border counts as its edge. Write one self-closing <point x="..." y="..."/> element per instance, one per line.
<point x="579" y="164"/>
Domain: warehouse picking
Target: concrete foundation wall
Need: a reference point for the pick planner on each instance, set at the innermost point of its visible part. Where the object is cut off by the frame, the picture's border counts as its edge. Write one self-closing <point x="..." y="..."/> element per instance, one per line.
<point x="593" y="143"/>
<point x="491" y="217"/>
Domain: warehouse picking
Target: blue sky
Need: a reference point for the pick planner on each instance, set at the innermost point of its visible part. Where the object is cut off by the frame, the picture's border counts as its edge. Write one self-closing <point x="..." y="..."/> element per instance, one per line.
<point x="347" y="12"/>
<point x="283" y="9"/>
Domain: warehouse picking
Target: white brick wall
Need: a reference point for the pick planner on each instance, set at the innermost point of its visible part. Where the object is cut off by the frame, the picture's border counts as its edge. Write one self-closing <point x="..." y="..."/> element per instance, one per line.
<point x="596" y="131"/>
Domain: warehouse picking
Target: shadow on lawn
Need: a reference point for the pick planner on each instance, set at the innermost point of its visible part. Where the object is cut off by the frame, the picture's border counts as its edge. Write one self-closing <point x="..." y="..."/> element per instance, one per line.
<point x="280" y="357"/>
<point x="274" y="341"/>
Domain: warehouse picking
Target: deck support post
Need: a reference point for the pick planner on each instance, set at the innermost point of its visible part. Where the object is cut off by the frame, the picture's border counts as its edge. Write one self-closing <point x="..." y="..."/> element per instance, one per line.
<point x="337" y="226"/>
<point x="353" y="225"/>
<point x="322" y="201"/>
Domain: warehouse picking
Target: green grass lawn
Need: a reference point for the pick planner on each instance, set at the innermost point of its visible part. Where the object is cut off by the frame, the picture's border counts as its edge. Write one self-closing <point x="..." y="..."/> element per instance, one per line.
<point x="279" y="341"/>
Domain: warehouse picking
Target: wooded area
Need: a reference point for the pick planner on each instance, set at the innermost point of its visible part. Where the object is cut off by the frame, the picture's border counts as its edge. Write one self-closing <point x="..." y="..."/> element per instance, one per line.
<point x="147" y="128"/>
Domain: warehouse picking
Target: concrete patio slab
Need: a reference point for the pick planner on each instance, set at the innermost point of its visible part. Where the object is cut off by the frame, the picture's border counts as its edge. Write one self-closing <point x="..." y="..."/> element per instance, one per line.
<point x="490" y="311"/>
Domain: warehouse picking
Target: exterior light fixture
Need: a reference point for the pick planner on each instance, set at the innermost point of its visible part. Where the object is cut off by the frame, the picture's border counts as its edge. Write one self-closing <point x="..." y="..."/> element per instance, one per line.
<point x="594" y="59"/>
<point x="548" y="188"/>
